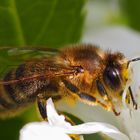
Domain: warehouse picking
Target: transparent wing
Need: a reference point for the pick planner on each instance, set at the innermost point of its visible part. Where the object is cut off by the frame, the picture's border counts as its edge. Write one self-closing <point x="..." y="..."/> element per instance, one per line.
<point x="51" y="72"/>
<point x="11" y="57"/>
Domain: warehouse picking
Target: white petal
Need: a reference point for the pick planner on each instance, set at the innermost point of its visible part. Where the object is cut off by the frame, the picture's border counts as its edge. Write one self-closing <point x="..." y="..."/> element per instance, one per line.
<point x="42" y="131"/>
<point x="124" y="95"/>
<point x="53" y="117"/>
<point x="131" y="123"/>
<point x="86" y="128"/>
<point x="94" y="127"/>
<point x="97" y="114"/>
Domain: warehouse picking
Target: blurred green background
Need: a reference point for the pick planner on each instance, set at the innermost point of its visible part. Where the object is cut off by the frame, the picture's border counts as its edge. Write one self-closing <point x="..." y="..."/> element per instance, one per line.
<point x="55" y="23"/>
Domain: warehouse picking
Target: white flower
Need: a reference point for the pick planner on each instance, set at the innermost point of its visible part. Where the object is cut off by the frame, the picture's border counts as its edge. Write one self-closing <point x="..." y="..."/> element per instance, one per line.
<point x="42" y="131"/>
<point x="128" y="122"/>
<point x="57" y="128"/>
<point x="126" y="41"/>
<point x="115" y="38"/>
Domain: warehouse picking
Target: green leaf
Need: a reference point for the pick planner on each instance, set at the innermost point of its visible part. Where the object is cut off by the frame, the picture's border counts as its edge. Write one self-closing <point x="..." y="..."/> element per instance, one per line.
<point x="131" y="9"/>
<point x="35" y="22"/>
<point x="40" y="22"/>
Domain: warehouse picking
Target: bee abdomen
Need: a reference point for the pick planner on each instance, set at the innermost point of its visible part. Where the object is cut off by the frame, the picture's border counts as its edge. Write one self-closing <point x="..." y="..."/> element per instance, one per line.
<point x="24" y="92"/>
<point x="7" y="99"/>
<point x="16" y="95"/>
<point x="20" y="93"/>
<point x="6" y="103"/>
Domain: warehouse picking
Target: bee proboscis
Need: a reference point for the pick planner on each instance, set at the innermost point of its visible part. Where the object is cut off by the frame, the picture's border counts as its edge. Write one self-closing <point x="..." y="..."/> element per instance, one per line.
<point x="80" y="72"/>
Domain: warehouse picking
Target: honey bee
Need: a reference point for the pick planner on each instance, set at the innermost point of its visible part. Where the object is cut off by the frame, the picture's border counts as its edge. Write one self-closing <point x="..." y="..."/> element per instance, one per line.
<point x="79" y="72"/>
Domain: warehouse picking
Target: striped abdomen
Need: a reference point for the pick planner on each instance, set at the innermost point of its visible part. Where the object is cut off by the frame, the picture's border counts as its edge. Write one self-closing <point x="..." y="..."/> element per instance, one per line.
<point x="20" y="94"/>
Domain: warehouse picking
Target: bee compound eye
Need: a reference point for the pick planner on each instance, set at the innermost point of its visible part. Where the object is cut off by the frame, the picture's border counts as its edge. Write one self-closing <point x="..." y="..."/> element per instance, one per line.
<point x="111" y="77"/>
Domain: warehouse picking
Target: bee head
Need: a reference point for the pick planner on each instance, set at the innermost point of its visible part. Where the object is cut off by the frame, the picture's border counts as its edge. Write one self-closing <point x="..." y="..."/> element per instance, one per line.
<point x="115" y="73"/>
<point x="115" y="76"/>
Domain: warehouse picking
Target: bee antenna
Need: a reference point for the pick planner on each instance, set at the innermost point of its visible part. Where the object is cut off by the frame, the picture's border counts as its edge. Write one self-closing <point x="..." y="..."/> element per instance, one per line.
<point x="133" y="60"/>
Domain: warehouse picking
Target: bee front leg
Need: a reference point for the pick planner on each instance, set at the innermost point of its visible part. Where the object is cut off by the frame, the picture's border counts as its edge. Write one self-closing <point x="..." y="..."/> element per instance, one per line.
<point x="41" y="103"/>
<point x="133" y="99"/>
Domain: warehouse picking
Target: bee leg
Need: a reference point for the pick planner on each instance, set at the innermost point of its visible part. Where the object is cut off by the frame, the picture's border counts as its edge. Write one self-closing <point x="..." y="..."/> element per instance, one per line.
<point x="74" y="136"/>
<point x="85" y="97"/>
<point x="104" y="94"/>
<point x="132" y="97"/>
<point x="115" y="112"/>
<point x="101" y="89"/>
<point x="41" y="102"/>
<point x="68" y="119"/>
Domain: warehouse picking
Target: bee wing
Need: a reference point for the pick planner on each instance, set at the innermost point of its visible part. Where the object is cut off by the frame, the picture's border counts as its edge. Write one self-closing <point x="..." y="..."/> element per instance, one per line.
<point x="11" y="57"/>
<point x="52" y="72"/>
<point x="26" y="52"/>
